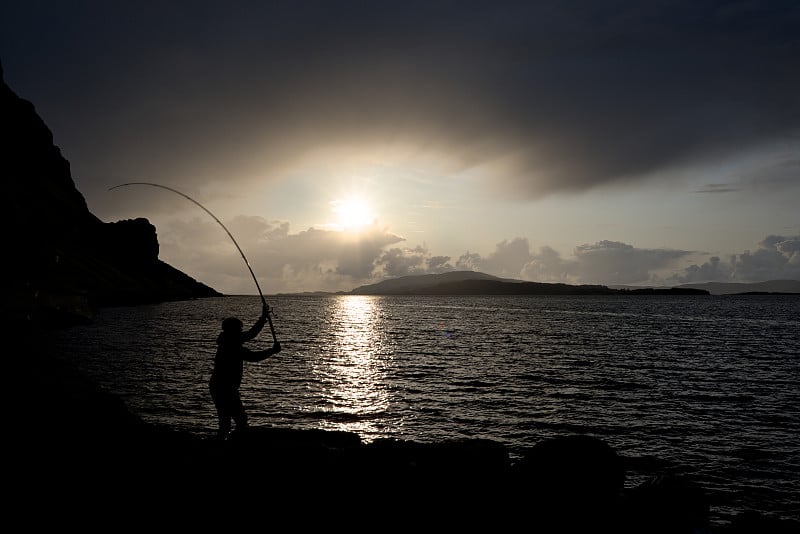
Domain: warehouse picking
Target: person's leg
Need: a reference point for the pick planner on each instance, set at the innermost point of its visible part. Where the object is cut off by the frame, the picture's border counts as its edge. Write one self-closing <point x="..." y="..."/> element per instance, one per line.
<point x="237" y="412"/>
<point x="222" y="403"/>
<point x="224" y="417"/>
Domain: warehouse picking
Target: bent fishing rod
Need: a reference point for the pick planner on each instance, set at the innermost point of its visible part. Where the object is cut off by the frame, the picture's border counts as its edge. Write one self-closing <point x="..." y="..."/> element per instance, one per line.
<point x="187" y="197"/>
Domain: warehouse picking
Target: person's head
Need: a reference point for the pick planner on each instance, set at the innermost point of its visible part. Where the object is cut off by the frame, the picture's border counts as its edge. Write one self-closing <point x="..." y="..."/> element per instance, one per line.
<point x="232" y="325"/>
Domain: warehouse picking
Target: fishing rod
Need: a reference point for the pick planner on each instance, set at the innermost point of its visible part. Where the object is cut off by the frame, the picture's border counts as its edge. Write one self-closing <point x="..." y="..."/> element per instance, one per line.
<point x="187" y="197"/>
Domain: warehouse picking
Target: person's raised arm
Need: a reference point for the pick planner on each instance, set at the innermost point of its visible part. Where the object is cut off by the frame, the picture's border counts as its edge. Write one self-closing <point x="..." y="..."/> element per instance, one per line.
<point x="253" y="332"/>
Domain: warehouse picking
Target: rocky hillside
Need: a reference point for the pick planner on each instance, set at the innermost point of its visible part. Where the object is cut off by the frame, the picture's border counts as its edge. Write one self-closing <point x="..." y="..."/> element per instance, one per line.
<point x="62" y="261"/>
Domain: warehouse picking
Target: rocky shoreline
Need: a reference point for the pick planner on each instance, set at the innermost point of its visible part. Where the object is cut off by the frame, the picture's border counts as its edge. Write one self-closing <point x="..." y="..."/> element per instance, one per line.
<point x="82" y="447"/>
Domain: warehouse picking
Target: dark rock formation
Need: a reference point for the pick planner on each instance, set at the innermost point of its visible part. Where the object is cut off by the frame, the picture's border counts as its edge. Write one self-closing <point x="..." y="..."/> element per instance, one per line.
<point x="571" y="482"/>
<point x="668" y="504"/>
<point x="62" y="261"/>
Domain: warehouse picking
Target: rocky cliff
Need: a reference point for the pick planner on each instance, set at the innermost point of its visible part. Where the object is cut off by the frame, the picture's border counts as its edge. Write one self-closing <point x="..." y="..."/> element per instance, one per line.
<point x="62" y="262"/>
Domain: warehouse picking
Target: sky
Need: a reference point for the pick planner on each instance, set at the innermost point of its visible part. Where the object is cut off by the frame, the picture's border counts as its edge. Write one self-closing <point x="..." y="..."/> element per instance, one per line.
<point x="342" y="142"/>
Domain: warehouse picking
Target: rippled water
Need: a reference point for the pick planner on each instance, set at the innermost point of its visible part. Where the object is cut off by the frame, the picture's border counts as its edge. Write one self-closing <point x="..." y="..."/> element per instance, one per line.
<point x="703" y="386"/>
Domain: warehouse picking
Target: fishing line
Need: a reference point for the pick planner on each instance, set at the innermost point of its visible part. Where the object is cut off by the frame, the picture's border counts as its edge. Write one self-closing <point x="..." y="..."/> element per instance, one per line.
<point x="187" y="197"/>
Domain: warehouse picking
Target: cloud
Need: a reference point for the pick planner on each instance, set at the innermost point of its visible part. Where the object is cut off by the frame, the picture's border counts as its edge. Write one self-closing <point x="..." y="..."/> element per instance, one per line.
<point x="612" y="262"/>
<point x="549" y="96"/>
<point x="548" y="266"/>
<point x="325" y="260"/>
<point x="777" y="174"/>
<point x="409" y="261"/>
<point x="615" y="263"/>
<point x="508" y="259"/>
<point x="312" y="259"/>
<point x="439" y="264"/>
<point x="604" y="262"/>
<point x="712" y="270"/>
<point x="398" y="262"/>
<point x="775" y="258"/>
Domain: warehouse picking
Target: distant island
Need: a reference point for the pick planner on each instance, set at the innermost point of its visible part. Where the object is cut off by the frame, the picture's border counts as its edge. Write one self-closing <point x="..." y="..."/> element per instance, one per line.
<point x="770" y="287"/>
<point x="477" y="283"/>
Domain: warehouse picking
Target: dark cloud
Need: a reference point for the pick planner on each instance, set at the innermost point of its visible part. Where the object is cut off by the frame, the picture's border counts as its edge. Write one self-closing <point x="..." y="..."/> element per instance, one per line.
<point x="774" y="175"/>
<point x="551" y="95"/>
<point x="717" y="188"/>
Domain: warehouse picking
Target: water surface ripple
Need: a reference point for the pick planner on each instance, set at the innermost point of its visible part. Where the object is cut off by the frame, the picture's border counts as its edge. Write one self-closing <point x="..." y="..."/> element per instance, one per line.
<point x="702" y="386"/>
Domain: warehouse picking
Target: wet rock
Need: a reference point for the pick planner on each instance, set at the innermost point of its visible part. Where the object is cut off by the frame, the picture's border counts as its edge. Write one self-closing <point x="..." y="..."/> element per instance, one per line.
<point x="756" y="523"/>
<point x="668" y="504"/>
<point x="570" y="482"/>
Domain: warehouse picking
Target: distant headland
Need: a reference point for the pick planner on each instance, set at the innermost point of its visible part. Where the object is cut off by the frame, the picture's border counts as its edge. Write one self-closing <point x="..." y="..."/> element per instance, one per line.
<point x="477" y="283"/>
<point x="63" y="261"/>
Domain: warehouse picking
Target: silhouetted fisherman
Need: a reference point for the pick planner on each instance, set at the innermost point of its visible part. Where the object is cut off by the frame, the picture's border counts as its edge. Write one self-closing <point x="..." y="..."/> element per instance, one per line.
<point x="229" y="366"/>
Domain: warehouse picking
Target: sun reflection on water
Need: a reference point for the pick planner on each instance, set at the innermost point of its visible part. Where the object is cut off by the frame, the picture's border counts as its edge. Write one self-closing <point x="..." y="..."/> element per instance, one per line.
<point x="353" y="373"/>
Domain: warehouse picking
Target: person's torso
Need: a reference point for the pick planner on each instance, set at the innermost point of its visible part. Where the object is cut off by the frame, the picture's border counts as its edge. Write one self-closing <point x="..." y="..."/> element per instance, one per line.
<point x="228" y="364"/>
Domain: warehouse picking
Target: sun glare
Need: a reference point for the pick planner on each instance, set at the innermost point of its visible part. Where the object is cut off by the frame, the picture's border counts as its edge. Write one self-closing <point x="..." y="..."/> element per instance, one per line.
<point x="352" y="213"/>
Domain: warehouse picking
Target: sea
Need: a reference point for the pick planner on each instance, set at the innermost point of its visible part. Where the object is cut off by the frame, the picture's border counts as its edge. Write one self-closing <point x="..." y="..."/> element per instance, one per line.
<point x="700" y="386"/>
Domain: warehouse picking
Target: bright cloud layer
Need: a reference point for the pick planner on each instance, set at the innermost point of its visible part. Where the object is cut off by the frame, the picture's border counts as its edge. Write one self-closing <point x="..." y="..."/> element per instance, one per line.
<point x="326" y="260"/>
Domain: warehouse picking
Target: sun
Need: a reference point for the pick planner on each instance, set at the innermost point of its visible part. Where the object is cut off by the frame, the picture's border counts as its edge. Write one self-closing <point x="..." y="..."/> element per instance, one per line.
<point x="352" y="213"/>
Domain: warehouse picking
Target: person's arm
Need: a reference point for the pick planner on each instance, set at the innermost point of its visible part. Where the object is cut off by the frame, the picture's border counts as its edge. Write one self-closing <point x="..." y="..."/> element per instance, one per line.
<point x="253" y="332"/>
<point x="259" y="355"/>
